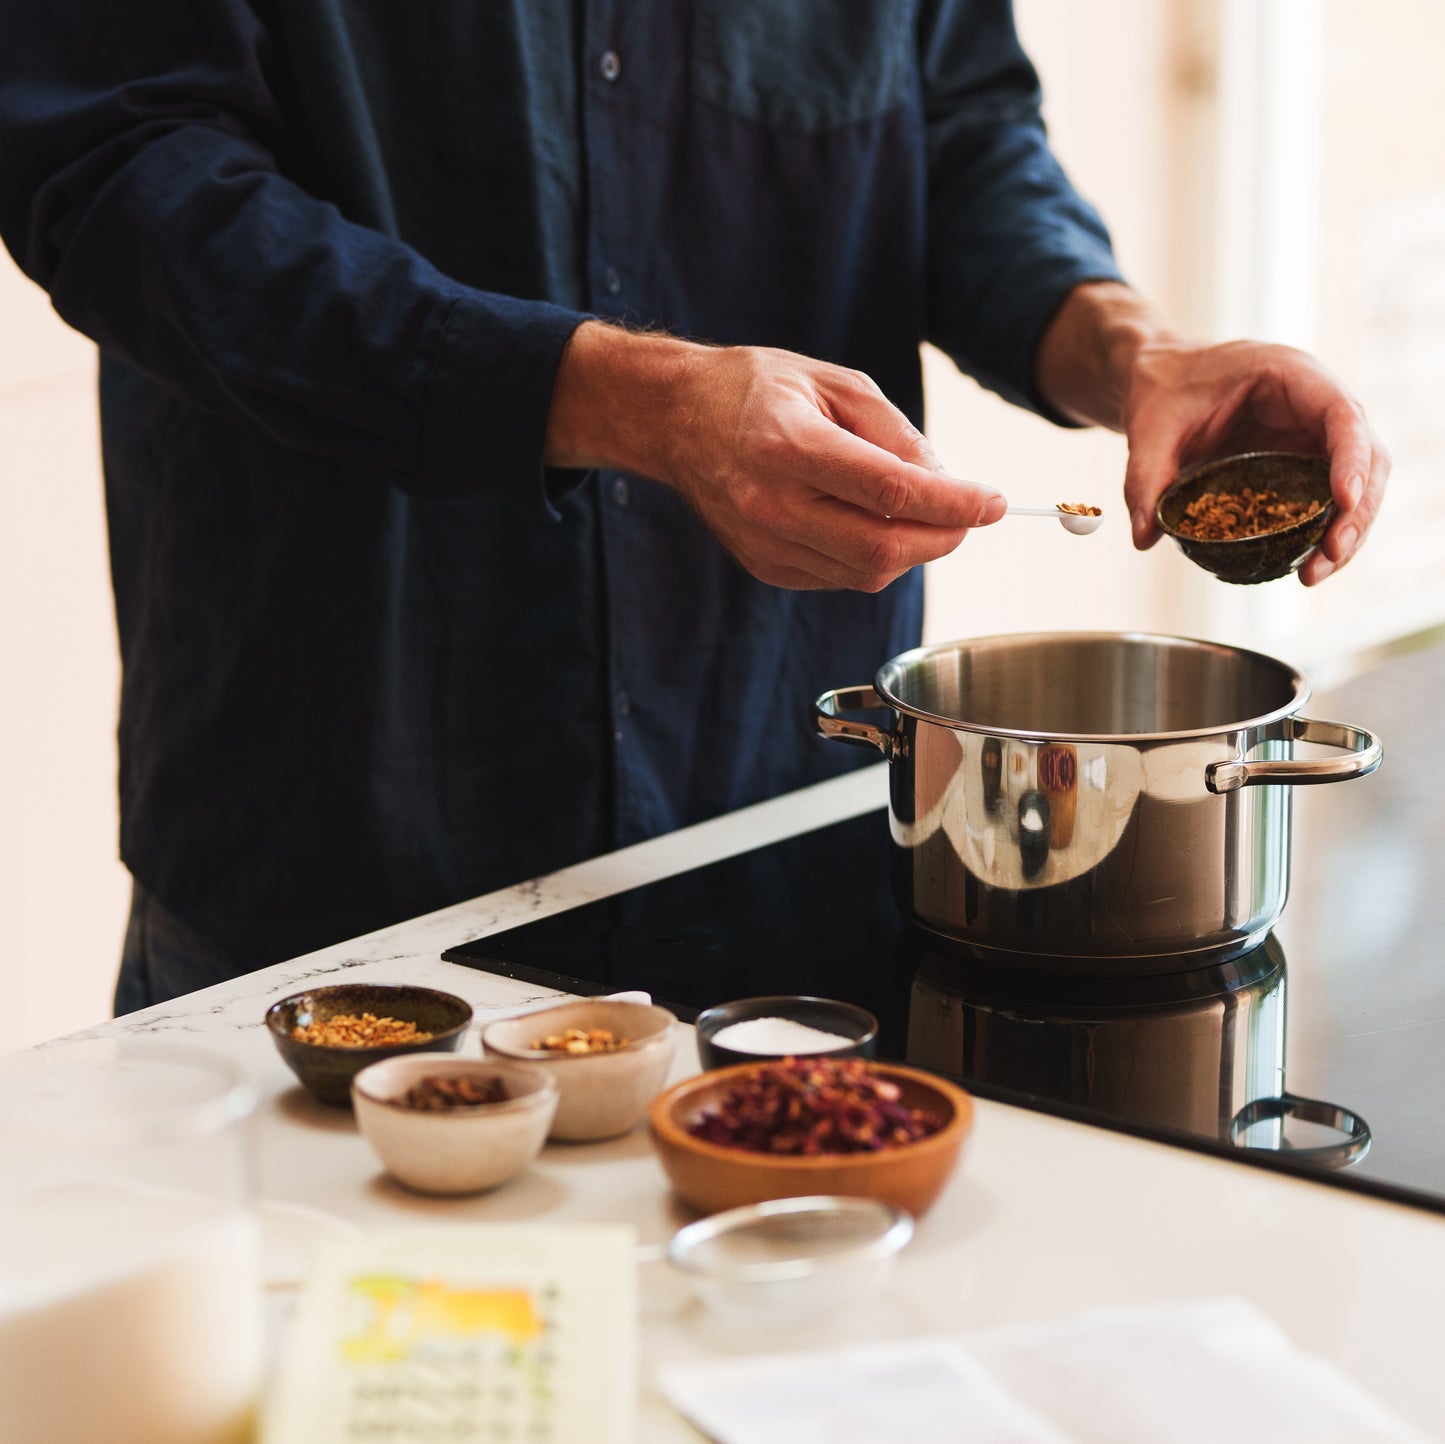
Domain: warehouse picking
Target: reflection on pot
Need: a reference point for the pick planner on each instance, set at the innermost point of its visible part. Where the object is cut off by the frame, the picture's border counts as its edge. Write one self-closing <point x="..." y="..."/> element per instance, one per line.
<point x="990" y="760"/>
<point x="1058" y="812"/>
<point x="1197" y="1052"/>
<point x="1034" y="832"/>
<point x="1059" y="782"/>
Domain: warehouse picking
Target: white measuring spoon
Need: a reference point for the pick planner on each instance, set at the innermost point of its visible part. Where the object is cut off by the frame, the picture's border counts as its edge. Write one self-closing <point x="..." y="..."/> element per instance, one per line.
<point x="1069" y="520"/>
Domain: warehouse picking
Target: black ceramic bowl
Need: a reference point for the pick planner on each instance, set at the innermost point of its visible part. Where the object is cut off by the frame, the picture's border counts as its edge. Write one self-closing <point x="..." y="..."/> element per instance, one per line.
<point x="1271" y="555"/>
<point x="326" y="1072"/>
<point x="857" y="1025"/>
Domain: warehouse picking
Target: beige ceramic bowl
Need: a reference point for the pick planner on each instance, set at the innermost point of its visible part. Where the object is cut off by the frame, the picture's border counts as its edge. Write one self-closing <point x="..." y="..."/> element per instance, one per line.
<point x="602" y="1094"/>
<point x="454" y="1150"/>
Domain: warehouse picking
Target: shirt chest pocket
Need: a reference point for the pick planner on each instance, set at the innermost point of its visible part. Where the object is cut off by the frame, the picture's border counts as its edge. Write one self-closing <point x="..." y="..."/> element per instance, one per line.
<point x="803" y="65"/>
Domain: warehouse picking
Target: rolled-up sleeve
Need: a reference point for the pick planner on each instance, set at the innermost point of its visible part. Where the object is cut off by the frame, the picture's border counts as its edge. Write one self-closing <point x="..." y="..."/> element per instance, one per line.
<point x="140" y="186"/>
<point x="1008" y="235"/>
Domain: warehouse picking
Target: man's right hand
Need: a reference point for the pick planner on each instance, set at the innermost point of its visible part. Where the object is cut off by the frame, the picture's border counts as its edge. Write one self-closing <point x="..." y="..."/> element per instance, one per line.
<point x="804" y="471"/>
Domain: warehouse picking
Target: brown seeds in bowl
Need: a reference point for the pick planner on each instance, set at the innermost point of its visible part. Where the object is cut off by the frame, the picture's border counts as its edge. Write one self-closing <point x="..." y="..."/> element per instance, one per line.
<point x="1231" y="515"/>
<point x="347" y="1030"/>
<point x="437" y="1094"/>
<point x="580" y="1040"/>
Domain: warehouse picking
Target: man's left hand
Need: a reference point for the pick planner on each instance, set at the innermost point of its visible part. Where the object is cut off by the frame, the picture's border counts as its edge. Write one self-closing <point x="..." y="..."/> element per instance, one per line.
<point x="1107" y="359"/>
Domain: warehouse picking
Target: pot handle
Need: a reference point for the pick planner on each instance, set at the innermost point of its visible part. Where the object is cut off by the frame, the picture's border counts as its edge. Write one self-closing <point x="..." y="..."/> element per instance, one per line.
<point x="1365" y="754"/>
<point x="852" y="699"/>
<point x="1352" y="1146"/>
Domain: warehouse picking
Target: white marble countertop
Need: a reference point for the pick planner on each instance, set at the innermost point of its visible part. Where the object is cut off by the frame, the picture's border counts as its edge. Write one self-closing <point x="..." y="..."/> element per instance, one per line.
<point x="1043" y="1217"/>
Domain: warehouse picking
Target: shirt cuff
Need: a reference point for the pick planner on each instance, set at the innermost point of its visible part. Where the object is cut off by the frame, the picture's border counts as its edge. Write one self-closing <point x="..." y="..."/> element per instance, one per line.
<point x="1034" y="299"/>
<point x="488" y="394"/>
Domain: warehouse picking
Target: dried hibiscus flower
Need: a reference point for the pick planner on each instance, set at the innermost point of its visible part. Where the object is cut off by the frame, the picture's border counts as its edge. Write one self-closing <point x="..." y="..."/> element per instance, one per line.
<point x="804" y="1107"/>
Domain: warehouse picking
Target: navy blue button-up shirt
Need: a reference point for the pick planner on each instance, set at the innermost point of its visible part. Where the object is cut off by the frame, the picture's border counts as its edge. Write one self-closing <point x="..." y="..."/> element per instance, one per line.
<point x="376" y="656"/>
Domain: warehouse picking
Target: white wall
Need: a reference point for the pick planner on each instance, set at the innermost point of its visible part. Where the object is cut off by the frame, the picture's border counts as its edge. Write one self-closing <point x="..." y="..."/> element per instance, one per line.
<point x="1118" y="86"/>
<point x="63" y="892"/>
<point x="1269" y="168"/>
<point x="1378" y="237"/>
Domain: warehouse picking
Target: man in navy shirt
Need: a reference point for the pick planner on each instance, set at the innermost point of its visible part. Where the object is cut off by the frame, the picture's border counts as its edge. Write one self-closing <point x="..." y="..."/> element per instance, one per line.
<point x="441" y="558"/>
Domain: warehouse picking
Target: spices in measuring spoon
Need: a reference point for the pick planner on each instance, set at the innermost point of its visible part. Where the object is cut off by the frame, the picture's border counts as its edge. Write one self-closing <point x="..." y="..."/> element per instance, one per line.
<point x="777" y="1037"/>
<point x="1080" y="508"/>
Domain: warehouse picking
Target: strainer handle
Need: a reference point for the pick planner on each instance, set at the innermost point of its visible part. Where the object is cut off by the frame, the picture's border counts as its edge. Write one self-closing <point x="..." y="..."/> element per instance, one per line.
<point x="1363" y="748"/>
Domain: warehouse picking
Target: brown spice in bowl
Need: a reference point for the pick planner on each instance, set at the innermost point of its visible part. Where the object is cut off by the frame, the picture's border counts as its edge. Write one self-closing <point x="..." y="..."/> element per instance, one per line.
<point x="437" y="1094"/>
<point x="1234" y="515"/>
<point x="347" y="1030"/>
<point x="580" y="1040"/>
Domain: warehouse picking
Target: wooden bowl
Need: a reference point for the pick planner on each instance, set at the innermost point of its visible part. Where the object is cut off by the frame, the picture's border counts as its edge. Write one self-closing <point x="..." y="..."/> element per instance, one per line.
<point x="711" y="1177"/>
<point x="1270" y="555"/>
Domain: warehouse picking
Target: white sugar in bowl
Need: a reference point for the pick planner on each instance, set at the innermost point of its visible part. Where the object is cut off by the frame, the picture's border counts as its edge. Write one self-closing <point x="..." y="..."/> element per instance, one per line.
<point x="750" y="1030"/>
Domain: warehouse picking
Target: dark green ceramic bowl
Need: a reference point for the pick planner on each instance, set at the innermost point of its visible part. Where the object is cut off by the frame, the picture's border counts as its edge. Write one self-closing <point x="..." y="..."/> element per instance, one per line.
<point x="1263" y="558"/>
<point x="326" y="1072"/>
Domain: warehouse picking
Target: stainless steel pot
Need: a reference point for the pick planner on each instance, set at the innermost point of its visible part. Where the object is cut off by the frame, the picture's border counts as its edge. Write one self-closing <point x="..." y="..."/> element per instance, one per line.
<point x="1108" y="801"/>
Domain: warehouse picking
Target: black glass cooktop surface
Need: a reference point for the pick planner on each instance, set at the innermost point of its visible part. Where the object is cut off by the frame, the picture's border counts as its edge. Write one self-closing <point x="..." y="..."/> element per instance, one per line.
<point x="1322" y="1052"/>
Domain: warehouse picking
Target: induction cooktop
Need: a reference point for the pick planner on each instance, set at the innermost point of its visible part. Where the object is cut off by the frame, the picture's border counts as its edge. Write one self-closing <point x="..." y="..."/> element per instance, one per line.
<point x="1195" y="1057"/>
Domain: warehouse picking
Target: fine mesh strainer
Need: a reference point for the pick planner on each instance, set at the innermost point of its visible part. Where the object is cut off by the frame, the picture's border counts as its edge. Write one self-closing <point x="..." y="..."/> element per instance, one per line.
<point x="790" y="1257"/>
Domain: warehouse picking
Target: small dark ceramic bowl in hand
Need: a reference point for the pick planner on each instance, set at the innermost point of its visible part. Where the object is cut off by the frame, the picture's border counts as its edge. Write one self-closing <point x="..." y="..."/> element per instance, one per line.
<point x="325" y="1071"/>
<point x="1270" y="555"/>
<point x="857" y="1027"/>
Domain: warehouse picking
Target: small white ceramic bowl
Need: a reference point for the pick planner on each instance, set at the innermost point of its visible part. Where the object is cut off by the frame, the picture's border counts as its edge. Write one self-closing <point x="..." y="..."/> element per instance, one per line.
<point x="602" y="1094"/>
<point x="453" y="1150"/>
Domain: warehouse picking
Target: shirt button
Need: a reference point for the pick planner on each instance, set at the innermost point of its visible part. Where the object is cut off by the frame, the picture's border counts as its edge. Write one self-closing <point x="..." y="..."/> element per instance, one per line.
<point x="619" y="491"/>
<point x="624" y="705"/>
<point x="609" y="65"/>
<point x="612" y="280"/>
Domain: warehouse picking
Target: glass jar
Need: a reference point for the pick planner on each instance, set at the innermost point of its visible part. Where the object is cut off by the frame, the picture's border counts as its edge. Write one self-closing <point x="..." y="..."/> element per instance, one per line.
<point x="130" y="1258"/>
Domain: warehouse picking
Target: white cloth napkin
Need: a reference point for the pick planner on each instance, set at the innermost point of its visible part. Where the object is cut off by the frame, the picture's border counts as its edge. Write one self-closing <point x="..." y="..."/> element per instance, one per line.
<point x="1198" y="1372"/>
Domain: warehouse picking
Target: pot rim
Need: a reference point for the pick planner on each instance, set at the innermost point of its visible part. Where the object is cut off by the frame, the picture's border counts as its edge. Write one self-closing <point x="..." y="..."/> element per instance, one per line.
<point x="1297" y="680"/>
